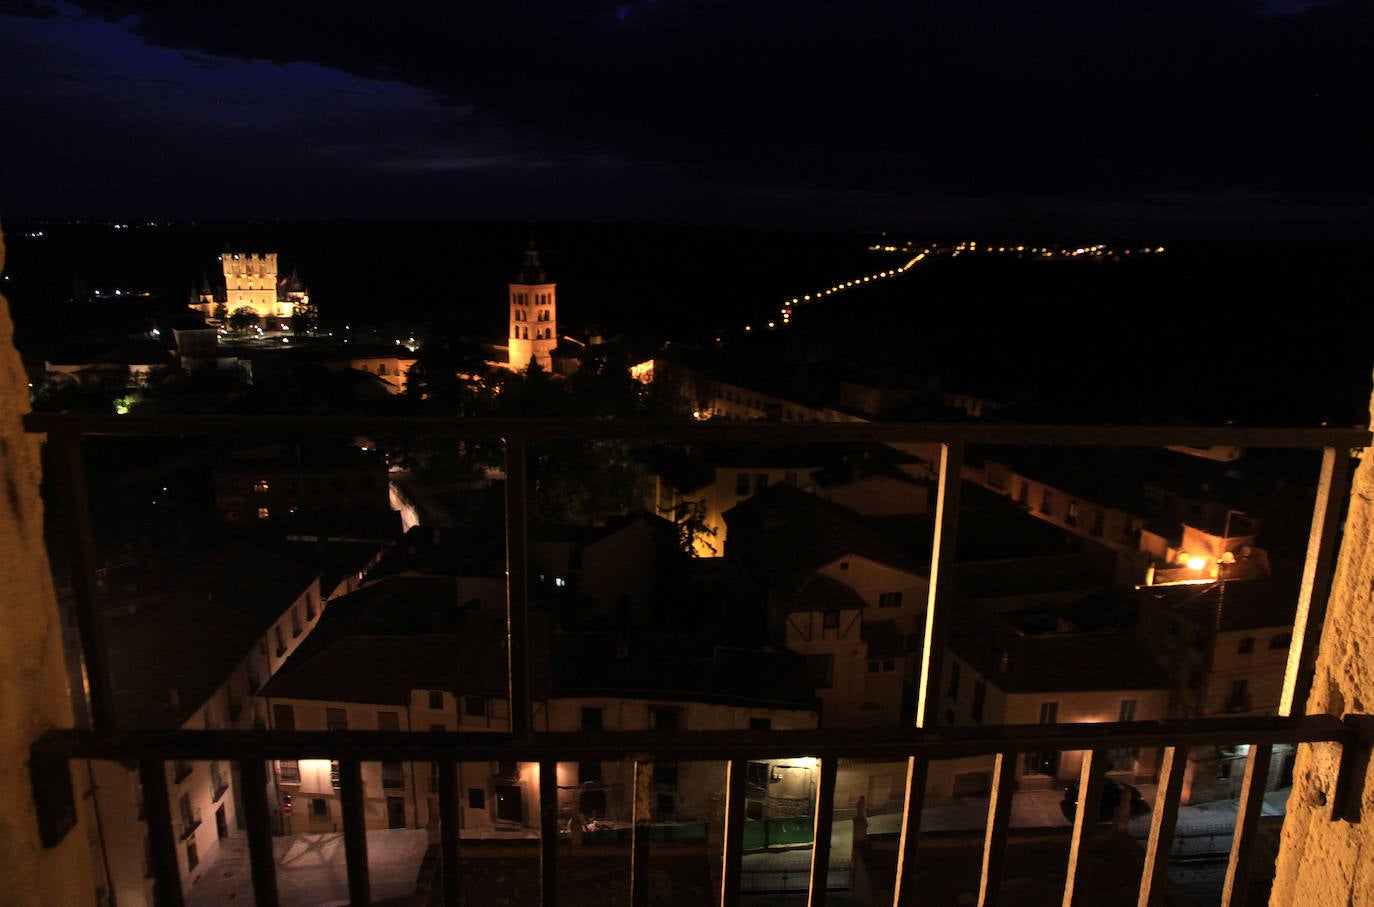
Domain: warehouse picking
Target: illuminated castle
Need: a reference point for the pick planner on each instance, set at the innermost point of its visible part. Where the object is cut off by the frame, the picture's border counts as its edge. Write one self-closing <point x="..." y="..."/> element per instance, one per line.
<point x="533" y="316"/>
<point x="250" y="282"/>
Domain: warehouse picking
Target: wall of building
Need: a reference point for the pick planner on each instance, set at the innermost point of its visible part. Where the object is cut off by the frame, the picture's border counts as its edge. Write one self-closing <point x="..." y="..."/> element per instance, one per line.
<point x="871" y="580"/>
<point x="33" y="686"/>
<point x="1325" y="863"/>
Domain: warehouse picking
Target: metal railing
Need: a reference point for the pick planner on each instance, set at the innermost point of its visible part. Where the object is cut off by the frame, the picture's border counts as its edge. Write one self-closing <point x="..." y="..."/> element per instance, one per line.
<point x="918" y="746"/>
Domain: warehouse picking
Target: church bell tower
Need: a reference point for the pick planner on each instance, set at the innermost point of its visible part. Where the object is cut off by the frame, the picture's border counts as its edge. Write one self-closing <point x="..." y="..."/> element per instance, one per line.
<point x="533" y="315"/>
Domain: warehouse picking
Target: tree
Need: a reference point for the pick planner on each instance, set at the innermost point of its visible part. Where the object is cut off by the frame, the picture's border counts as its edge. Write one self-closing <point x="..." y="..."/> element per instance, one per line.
<point x="243" y="320"/>
<point x="693" y="532"/>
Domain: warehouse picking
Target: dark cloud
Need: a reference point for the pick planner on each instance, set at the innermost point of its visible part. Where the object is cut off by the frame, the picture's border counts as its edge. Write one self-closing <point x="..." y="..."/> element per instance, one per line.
<point x="1103" y="103"/>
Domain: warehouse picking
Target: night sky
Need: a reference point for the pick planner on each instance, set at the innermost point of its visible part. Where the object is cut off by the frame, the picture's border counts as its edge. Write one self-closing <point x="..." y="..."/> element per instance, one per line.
<point x="1188" y="118"/>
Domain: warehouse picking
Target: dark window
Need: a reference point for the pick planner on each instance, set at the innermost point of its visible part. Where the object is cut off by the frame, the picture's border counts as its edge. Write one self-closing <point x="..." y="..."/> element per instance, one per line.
<point x="296" y="626"/>
<point x="289" y="771"/>
<point x="822" y="669"/>
<point x="980" y="689"/>
<point x="953" y="679"/>
<point x="192" y="858"/>
<point x="844" y="565"/>
<point x="591" y="718"/>
<point x="760" y="482"/>
<point x="283" y="717"/>
<point x="874" y="666"/>
<point x="477" y="798"/>
<point x="1046" y="500"/>
<point x="475" y="706"/>
<point x="889" y="664"/>
<point x="1127" y="710"/>
<point x="1049" y="712"/>
<point x="388" y="721"/>
<point x="742" y="484"/>
<point x="760" y="724"/>
<point x="665" y="718"/>
<point x="1097" y="524"/>
<point x="319" y="808"/>
<point x="758" y="775"/>
<point x="830" y="620"/>
<point x="508" y="770"/>
<point x="665" y="806"/>
<point x="436" y="699"/>
<point x="393" y="776"/>
<point x="1071" y="513"/>
<point x="1240" y="696"/>
<point x="1281" y="641"/>
<point x="336" y="719"/>
<point x="889" y="600"/>
<point x="1246" y="645"/>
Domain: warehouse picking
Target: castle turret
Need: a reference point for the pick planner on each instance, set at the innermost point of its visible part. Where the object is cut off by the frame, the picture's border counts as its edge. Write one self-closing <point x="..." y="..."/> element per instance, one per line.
<point x="533" y="315"/>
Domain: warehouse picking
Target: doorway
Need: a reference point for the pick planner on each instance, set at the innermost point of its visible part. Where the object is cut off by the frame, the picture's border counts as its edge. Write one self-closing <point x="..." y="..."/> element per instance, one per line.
<point x="221" y="822"/>
<point x="510" y="806"/>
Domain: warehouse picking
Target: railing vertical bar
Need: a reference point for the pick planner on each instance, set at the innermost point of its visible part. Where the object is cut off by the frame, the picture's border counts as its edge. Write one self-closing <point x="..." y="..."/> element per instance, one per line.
<point x="643" y="822"/>
<point x="449" y="831"/>
<point x="941" y="564"/>
<point x="825" y="824"/>
<point x="999" y="824"/>
<point x="1163" y="821"/>
<point x="1077" y="881"/>
<point x="71" y="485"/>
<point x="904" y="887"/>
<point x="354" y="809"/>
<point x="517" y="583"/>
<point x="1333" y="484"/>
<point x="258" y="822"/>
<point x="162" y="845"/>
<point x="548" y="834"/>
<point x="732" y="841"/>
<point x="1243" y="840"/>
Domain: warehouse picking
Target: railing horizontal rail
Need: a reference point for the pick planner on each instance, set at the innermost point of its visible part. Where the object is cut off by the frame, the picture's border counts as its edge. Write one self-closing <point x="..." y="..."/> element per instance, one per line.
<point x="239" y="426"/>
<point x="875" y="744"/>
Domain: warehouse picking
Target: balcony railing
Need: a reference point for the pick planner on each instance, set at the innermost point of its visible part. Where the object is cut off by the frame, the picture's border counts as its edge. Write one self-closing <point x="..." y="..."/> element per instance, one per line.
<point x="918" y="746"/>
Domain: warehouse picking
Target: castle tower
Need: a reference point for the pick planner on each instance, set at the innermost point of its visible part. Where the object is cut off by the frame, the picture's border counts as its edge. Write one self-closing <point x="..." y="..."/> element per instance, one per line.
<point x="533" y="316"/>
<point x="250" y="282"/>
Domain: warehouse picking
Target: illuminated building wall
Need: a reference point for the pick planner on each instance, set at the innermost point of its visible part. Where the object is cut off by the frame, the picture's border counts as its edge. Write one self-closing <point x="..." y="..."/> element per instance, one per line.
<point x="533" y="316"/>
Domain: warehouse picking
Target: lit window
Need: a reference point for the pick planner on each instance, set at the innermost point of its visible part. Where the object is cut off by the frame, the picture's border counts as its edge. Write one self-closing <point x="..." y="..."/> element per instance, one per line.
<point x="288" y="771"/>
<point x="263" y="513"/>
<point x="260" y="485"/>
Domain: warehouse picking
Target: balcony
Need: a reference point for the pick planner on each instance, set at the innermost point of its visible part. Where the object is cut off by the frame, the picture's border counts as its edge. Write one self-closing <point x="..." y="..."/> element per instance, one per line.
<point x="917" y="746"/>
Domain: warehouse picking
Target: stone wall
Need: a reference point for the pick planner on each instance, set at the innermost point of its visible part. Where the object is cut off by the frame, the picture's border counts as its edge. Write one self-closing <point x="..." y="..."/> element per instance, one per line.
<point x="33" y="688"/>
<point x="1322" y="862"/>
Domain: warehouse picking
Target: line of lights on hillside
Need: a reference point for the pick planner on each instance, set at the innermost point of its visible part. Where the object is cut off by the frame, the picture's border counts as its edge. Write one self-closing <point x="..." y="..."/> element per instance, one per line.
<point x="786" y="310"/>
<point x="1097" y="251"/>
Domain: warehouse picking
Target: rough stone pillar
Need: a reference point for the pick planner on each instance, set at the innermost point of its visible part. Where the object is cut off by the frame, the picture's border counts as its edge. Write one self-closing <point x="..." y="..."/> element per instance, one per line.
<point x="33" y="686"/>
<point x="1322" y="863"/>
